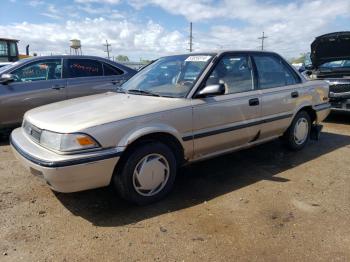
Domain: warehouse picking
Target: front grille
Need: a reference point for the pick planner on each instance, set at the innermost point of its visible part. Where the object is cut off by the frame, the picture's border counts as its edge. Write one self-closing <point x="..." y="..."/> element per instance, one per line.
<point x="32" y="131"/>
<point x="339" y="88"/>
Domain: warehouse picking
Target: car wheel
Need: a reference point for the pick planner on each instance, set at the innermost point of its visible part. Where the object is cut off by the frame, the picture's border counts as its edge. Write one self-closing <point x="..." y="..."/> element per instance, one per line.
<point x="298" y="134"/>
<point x="147" y="174"/>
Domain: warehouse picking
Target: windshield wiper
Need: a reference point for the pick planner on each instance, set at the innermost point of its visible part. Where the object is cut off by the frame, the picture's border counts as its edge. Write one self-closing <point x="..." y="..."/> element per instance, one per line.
<point x="138" y="91"/>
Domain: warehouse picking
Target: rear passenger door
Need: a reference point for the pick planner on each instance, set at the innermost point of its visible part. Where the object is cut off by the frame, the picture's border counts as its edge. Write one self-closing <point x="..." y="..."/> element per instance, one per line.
<point x="89" y="76"/>
<point x="279" y="87"/>
<point x="113" y="75"/>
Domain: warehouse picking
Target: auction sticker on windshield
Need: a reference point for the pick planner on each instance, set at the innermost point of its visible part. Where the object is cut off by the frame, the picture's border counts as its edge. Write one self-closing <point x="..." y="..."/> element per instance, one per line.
<point x="198" y="58"/>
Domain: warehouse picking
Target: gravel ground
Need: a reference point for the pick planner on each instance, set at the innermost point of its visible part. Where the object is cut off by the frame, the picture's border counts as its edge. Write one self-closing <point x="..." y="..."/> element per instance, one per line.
<point x="264" y="203"/>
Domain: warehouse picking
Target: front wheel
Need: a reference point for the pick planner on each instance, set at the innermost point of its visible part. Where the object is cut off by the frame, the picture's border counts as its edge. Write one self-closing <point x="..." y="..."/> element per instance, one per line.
<point x="298" y="134"/>
<point x="147" y="174"/>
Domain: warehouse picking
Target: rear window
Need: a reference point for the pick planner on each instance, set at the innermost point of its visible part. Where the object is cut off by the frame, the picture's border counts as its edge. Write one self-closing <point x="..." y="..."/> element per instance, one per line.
<point x="83" y="68"/>
<point x="273" y="72"/>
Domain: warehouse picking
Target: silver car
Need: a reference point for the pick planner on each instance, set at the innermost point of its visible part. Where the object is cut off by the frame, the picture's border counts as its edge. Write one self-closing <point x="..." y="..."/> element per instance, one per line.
<point x="178" y="110"/>
<point x="37" y="81"/>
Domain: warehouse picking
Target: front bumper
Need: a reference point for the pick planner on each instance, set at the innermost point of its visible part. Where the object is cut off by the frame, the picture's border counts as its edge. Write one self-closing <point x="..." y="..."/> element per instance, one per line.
<point x="322" y="111"/>
<point x="340" y="105"/>
<point x="65" y="173"/>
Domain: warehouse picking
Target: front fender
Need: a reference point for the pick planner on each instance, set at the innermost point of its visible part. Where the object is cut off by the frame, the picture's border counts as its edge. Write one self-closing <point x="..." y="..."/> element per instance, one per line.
<point x="144" y="130"/>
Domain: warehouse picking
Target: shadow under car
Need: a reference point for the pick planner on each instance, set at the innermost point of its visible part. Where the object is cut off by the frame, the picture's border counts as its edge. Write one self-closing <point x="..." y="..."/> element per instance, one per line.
<point x="201" y="182"/>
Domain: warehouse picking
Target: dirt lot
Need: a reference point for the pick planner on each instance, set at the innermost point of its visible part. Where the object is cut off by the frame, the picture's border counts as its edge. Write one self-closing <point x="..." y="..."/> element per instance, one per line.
<point x="264" y="203"/>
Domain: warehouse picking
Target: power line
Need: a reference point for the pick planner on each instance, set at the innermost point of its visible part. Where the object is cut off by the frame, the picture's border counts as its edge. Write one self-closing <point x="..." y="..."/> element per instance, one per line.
<point x="107" y="48"/>
<point x="262" y="40"/>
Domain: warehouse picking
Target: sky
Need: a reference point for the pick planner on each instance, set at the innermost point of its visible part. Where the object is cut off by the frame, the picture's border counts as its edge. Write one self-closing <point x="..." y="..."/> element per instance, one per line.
<point x="148" y="29"/>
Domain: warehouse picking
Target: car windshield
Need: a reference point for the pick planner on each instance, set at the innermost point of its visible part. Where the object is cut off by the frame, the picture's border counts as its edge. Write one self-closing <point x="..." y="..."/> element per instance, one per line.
<point x="171" y="76"/>
<point x="337" y="64"/>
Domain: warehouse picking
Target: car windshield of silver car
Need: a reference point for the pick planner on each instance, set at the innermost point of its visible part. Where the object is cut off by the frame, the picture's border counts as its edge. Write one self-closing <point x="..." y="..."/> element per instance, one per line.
<point x="171" y="76"/>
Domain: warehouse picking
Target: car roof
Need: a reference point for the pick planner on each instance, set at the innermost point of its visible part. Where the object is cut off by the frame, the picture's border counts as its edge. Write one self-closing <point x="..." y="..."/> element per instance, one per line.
<point x="225" y="51"/>
<point x="70" y="57"/>
<point x="35" y="58"/>
<point x="8" y="39"/>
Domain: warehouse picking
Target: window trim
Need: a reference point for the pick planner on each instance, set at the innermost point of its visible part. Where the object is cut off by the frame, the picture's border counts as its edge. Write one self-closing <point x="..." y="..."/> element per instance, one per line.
<point x="37" y="61"/>
<point x="280" y="60"/>
<point x="216" y="60"/>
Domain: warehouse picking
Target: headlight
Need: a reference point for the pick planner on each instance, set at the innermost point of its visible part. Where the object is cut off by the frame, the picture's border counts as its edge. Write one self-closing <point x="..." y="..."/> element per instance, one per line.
<point x="67" y="142"/>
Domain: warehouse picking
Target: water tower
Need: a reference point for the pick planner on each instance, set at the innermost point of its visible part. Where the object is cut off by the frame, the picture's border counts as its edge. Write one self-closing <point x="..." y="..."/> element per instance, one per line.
<point x="75" y="47"/>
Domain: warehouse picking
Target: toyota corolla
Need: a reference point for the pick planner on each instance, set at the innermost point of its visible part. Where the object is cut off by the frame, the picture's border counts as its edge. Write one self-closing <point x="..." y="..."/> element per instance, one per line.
<point x="178" y="110"/>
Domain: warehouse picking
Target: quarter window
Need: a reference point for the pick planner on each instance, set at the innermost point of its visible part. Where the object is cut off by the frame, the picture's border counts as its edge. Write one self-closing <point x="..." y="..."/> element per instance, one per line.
<point x="110" y="70"/>
<point x="39" y="70"/>
<point x="234" y="72"/>
<point x="273" y="72"/>
<point x="83" y="68"/>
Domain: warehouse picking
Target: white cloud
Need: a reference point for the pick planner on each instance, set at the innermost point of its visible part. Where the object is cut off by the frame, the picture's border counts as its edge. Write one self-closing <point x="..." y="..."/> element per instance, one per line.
<point x="97" y="1"/>
<point x="230" y="25"/>
<point x="135" y="40"/>
<point x="290" y="27"/>
<point x="250" y="11"/>
<point x="35" y="3"/>
<point x="52" y="12"/>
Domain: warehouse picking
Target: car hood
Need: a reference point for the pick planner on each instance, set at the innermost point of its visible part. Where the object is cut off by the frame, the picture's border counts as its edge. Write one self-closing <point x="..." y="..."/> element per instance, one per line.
<point x="330" y="47"/>
<point x="80" y="113"/>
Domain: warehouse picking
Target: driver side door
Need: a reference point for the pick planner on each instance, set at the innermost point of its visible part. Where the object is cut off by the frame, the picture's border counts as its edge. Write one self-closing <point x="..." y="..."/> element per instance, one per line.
<point x="35" y="84"/>
<point x="226" y="121"/>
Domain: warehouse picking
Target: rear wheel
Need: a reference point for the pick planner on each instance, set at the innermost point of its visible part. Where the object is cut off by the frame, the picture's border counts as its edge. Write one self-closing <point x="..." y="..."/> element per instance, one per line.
<point x="147" y="175"/>
<point x="298" y="134"/>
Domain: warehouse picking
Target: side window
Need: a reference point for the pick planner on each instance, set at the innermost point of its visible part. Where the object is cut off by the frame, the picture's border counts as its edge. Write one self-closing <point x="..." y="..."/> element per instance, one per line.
<point x="39" y="70"/>
<point x="83" y="68"/>
<point x="272" y="72"/>
<point x="235" y="72"/>
<point x="3" y="48"/>
<point x="13" y="49"/>
<point x="111" y="70"/>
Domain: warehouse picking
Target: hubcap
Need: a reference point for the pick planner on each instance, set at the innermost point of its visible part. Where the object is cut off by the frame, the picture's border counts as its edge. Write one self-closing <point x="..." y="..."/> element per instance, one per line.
<point x="301" y="131"/>
<point x="151" y="174"/>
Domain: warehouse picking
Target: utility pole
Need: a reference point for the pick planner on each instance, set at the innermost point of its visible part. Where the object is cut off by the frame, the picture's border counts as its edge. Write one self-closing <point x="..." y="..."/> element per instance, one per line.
<point x="191" y="39"/>
<point x="262" y="40"/>
<point x="107" y="48"/>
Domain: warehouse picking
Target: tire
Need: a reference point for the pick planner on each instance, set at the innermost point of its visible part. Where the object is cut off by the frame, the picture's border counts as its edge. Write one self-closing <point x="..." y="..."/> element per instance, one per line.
<point x="297" y="140"/>
<point x="142" y="169"/>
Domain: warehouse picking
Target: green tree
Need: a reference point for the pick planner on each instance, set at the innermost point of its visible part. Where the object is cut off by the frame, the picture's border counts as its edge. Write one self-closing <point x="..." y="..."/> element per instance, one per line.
<point x="122" y="58"/>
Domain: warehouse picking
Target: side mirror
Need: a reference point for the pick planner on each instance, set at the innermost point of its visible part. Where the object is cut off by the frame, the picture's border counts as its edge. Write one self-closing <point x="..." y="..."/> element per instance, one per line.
<point x="211" y="90"/>
<point x="6" y="78"/>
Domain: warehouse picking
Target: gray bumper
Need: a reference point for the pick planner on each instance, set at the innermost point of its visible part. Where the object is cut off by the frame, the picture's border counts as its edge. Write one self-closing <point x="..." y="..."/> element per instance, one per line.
<point x="65" y="173"/>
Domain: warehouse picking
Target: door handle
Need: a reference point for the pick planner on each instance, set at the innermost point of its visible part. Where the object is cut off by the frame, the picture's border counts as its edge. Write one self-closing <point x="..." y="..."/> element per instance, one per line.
<point x="254" y="102"/>
<point x="295" y="94"/>
<point x="58" y="87"/>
